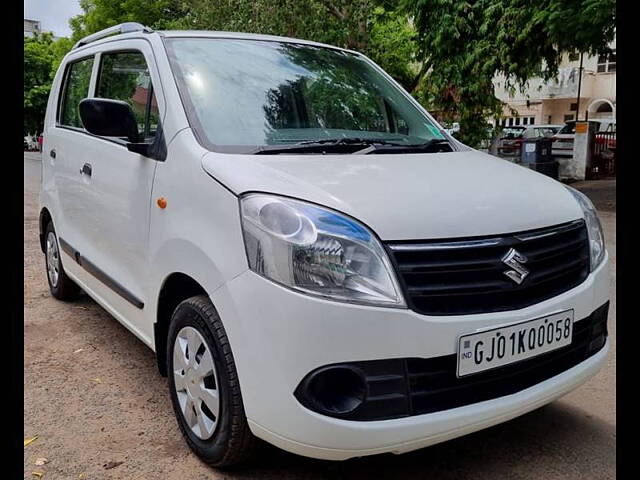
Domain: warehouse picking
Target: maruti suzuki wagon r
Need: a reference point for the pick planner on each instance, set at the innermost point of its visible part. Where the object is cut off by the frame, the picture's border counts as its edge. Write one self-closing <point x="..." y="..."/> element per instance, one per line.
<point x="314" y="260"/>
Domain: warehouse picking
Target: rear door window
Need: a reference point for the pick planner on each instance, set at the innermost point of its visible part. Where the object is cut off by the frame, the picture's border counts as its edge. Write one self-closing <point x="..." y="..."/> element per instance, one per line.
<point x="76" y="88"/>
<point x="125" y="76"/>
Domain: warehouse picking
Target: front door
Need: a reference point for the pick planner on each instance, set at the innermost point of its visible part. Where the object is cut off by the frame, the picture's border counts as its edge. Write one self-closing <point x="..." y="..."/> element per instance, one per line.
<point x="120" y="184"/>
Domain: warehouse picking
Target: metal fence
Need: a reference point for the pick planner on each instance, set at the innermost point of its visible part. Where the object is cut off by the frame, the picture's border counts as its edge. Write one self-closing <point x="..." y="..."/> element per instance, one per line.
<point x="603" y="162"/>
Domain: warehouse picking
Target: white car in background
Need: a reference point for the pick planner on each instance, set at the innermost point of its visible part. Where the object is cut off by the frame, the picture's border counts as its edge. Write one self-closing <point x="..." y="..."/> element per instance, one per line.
<point x="541" y="131"/>
<point x="455" y="128"/>
<point x="511" y="138"/>
<point x="30" y="144"/>
<point x="563" y="140"/>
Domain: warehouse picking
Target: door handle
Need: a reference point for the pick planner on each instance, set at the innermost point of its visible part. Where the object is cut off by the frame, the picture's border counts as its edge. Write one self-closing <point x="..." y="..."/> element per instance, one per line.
<point x="52" y="153"/>
<point x="86" y="170"/>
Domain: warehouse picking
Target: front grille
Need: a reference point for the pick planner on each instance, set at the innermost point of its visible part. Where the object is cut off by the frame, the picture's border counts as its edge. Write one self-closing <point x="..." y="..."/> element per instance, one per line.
<point x="404" y="387"/>
<point x="466" y="276"/>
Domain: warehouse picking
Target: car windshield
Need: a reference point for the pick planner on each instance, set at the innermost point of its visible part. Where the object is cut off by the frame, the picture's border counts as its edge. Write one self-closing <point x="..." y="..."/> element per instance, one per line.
<point x="570" y="127"/>
<point x="512" y="132"/>
<point x="546" y="131"/>
<point x="241" y="94"/>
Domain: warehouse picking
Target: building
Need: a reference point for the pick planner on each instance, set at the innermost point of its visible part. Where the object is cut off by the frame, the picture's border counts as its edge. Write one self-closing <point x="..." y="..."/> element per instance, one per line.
<point x="556" y="102"/>
<point x="31" y="27"/>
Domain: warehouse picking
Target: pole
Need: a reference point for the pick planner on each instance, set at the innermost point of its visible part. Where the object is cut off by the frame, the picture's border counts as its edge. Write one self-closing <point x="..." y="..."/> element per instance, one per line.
<point x="579" y="86"/>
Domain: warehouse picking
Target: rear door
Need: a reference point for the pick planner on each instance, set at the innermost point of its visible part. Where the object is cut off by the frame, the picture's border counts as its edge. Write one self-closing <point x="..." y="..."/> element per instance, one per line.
<point x="119" y="184"/>
<point x="66" y="143"/>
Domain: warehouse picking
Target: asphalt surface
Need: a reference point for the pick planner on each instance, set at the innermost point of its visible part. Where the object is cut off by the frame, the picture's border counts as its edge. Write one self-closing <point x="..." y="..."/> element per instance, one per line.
<point x="100" y="409"/>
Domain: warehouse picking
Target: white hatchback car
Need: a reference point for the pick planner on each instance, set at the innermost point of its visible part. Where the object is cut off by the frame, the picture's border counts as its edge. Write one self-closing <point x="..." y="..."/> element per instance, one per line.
<point x="563" y="140"/>
<point x="314" y="262"/>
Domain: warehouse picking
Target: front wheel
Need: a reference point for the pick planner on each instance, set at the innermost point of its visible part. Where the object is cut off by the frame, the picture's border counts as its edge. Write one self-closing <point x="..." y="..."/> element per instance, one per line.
<point x="204" y="387"/>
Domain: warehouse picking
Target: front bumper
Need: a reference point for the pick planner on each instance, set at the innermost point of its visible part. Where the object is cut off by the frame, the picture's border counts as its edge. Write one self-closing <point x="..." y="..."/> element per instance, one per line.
<point x="278" y="336"/>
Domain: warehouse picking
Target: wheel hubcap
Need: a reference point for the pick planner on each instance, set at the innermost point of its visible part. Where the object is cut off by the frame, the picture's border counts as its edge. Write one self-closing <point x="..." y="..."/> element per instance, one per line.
<point x="196" y="382"/>
<point x="53" y="259"/>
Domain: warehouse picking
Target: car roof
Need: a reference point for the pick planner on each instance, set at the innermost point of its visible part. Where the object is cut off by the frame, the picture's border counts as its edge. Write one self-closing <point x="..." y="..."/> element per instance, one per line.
<point x="204" y="34"/>
<point x="243" y="36"/>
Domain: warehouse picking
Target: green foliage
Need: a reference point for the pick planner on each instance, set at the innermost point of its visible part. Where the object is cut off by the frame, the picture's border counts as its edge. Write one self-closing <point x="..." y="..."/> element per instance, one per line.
<point x="465" y="44"/>
<point x="339" y="23"/>
<point x="375" y="28"/>
<point x="42" y="56"/>
<point x="100" y="14"/>
<point x="340" y="93"/>
<point x="393" y="46"/>
<point x="446" y="52"/>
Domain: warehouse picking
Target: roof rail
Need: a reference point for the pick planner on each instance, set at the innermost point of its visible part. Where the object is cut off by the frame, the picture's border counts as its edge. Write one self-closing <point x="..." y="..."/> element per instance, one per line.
<point x="127" y="27"/>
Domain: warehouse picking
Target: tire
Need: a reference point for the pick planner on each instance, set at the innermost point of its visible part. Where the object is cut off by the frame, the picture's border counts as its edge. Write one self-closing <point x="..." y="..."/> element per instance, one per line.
<point x="229" y="441"/>
<point x="60" y="285"/>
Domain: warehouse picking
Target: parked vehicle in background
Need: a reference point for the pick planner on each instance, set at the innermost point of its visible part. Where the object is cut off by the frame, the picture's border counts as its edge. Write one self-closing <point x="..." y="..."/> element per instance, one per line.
<point x="453" y="128"/>
<point x="314" y="262"/>
<point x="541" y="131"/>
<point x="510" y="141"/>
<point x="563" y="140"/>
<point x="30" y="143"/>
<point x="513" y="136"/>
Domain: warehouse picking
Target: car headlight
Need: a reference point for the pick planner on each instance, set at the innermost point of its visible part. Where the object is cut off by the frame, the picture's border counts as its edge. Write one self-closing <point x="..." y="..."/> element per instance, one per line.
<point x="316" y="251"/>
<point x="594" y="228"/>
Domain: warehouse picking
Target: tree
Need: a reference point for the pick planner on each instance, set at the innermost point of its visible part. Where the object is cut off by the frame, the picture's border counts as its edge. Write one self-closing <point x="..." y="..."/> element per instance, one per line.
<point x="374" y="27"/>
<point x="100" y="14"/>
<point x="42" y="56"/>
<point x="446" y="52"/>
<point x="464" y="44"/>
<point x="38" y="61"/>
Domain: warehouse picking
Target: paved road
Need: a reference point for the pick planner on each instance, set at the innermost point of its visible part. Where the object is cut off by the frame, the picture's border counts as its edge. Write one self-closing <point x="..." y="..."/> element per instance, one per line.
<point x="93" y="396"/>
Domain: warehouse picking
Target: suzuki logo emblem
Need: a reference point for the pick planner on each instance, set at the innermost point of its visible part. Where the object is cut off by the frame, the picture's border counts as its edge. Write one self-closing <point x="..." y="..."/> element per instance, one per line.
<point x="515" y="259"/>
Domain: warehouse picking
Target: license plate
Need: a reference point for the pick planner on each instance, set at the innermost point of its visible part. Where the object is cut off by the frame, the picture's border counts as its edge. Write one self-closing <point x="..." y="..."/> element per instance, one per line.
<point x="501" y="346"/>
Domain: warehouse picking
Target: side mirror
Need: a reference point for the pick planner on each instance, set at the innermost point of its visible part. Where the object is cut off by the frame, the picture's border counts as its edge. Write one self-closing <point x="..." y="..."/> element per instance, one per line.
<point x="109" y="118"/>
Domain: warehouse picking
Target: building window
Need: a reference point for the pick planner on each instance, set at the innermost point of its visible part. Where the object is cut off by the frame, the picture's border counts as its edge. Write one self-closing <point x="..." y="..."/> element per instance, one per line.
<point x="525" y="121"/>
<point x="607" y="62"/>
<point x="574" y="57"/>
<point x="568" y="118"/>
<point x="532" y="120"/>
<point x="573" y="107"/>
<point x="510" y="121"/>
<point x="517" y="120"/>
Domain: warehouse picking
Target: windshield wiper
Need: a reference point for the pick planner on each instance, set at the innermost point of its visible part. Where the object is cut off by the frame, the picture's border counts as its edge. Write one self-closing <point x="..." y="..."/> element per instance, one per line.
<point x="324" y="145"/>
<point x="348" y="141"/>
<point x="433" y="145"/>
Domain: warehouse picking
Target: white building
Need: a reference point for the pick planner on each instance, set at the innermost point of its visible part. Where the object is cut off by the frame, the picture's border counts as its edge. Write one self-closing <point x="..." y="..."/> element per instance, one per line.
<point x="555" y="102"/>
<point x="31" y="27"/>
